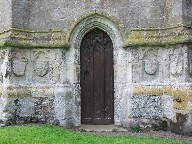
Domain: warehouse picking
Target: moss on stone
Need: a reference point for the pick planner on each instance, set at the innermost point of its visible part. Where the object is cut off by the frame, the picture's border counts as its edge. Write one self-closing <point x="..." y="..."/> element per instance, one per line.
<point x="24" y="92"/>
<point x="181" y="96"/>
<point x="167" y="90"/>
<point x="33" y="39"/>
<point x="158" y="37"/>
<point x="146" y="37"/>
<point x="18" y="92"/>
<point x="140" y="91"/>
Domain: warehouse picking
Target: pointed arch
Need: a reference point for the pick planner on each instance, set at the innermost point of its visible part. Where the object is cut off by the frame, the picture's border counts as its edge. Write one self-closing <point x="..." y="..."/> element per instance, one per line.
<point x="92" y="21"/>
<point x="82" y="27"/>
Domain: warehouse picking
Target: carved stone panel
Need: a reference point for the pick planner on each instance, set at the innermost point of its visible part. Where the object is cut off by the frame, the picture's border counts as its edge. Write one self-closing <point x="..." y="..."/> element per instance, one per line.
<point x="176" y="62"/>
<point x="19" y="62"/>
<point x="150" y="65"/>
<point x="19" y="67"/>
<point x="41" y="68"/>
<point x="41" y="64"/>
<point x="150" y="61"/>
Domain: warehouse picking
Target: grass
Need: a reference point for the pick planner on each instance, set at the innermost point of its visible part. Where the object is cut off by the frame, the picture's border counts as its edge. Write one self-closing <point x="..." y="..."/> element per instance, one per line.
<point x="54" y="135"/>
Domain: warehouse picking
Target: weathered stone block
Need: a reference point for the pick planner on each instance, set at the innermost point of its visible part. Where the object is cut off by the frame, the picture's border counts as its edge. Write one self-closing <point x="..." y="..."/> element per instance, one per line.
<point x="148" y="107"/>
<point x="183" y="124"/>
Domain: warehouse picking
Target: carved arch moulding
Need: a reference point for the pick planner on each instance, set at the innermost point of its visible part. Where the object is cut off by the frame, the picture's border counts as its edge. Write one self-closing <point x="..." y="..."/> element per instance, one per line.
<point x="93" y="21"/>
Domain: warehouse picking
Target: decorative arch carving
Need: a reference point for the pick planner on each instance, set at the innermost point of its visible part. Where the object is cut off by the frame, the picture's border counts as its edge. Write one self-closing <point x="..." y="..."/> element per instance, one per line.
<point x="93" y="21"/>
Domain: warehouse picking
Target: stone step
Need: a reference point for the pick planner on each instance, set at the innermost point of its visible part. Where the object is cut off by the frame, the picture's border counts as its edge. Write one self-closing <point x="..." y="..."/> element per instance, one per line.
<point x="102" y="128"/>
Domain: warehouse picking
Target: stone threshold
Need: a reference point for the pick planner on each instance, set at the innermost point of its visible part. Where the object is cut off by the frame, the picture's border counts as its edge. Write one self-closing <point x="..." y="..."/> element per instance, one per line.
<point x="102" y="128"/>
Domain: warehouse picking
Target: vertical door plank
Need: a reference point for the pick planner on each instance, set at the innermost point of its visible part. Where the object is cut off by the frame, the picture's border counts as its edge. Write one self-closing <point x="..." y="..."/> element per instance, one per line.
<point x="86" y="79"/>
<point x="109" y="82"/>
<point x="98" y="78"/>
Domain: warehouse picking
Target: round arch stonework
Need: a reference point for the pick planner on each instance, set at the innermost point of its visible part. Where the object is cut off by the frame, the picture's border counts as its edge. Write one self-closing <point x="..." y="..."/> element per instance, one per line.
<point x="97" y="21"/>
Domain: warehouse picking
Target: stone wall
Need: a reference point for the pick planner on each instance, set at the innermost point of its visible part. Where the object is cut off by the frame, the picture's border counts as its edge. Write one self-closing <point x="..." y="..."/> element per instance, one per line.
<point x="5" y="14"/>
<point x="161" y="87"/>
<point x="40" y="61"/>
<point x="129" y="14"/>
<point x="21" y="13"/>
<point x="34" y="85"/>
<point x="187" y="12"/>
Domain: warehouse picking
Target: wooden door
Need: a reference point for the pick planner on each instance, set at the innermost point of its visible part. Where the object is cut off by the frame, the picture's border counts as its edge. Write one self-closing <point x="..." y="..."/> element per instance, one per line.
<point x="97" y="78"/>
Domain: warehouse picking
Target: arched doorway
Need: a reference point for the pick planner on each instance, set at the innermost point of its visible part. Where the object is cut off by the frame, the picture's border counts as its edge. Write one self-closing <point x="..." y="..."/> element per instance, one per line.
<point x="97" y="78"/>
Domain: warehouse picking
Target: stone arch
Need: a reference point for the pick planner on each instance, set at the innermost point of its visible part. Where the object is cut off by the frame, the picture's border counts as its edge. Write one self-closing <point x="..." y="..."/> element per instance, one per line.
<point x="85" y="25"/>
<point x="91" y="22"/>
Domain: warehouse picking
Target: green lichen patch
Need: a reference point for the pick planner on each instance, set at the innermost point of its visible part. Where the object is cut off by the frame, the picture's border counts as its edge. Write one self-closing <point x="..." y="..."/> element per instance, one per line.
<point x="181" y="96"/>
<point x="158" y="37"/>
<point x="150" y="91"/>
<point x="18" y="92"/>
<point x="33" y="39"/>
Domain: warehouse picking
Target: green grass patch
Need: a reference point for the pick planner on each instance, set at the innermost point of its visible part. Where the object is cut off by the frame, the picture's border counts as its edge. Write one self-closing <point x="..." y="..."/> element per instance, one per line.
<point x="47" y="134"/>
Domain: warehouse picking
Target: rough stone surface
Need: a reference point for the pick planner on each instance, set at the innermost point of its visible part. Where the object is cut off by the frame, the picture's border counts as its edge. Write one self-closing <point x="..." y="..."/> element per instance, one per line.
<point x="40" y="61"/>
<point x="147" y="107"/>
<point x="63" y="13"/>
<point x="182" y="125"/>
<point x="5" y="14"/>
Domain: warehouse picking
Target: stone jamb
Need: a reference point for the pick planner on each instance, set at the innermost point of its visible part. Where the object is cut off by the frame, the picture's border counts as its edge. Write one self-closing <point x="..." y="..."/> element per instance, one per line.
<point x="73" y="69"/>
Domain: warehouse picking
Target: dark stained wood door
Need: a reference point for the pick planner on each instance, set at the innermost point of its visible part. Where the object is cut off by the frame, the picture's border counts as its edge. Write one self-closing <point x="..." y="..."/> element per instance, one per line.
<point x="97" y="78"/>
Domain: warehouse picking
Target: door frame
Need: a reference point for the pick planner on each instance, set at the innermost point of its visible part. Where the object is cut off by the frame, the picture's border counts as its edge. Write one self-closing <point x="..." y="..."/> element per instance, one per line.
<point x="85" y="25"/>
<point x="107" y="98"/>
